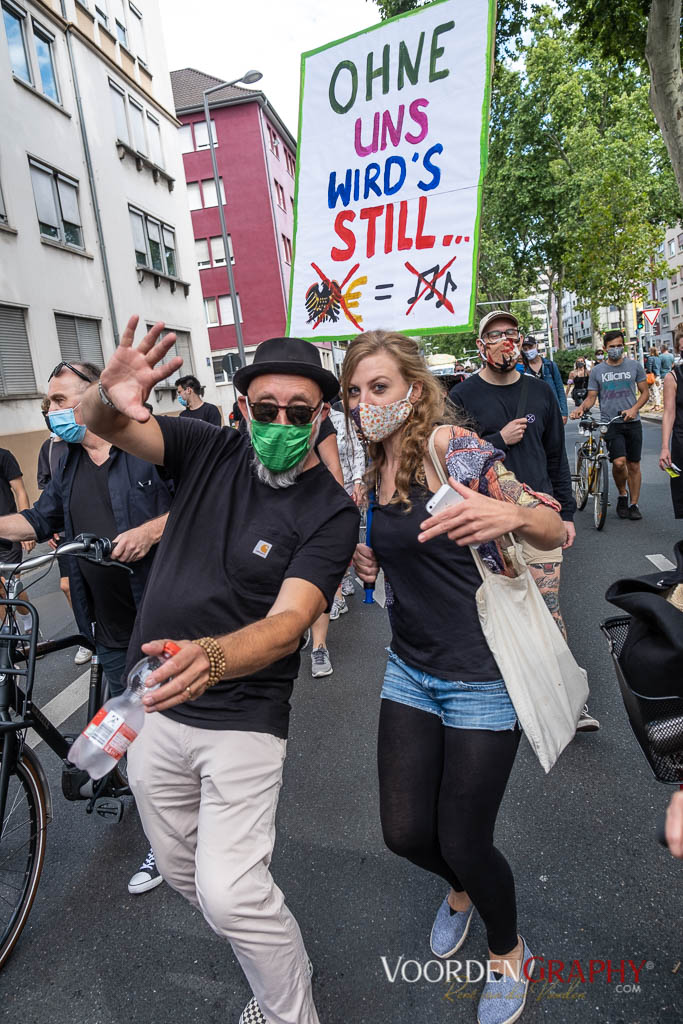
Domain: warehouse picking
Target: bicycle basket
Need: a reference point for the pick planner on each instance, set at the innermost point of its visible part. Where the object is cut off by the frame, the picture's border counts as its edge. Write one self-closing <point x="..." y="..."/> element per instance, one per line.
<point x="657" y="722"/>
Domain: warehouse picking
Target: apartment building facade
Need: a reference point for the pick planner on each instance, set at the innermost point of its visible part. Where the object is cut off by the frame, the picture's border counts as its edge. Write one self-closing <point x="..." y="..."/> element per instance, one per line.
<point x="94" y="223"/>
<point x="256" y="157"/>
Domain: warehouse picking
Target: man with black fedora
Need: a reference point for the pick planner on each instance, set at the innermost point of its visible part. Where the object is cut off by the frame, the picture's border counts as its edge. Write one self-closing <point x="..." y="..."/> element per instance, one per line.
<point x="264" y="533"/>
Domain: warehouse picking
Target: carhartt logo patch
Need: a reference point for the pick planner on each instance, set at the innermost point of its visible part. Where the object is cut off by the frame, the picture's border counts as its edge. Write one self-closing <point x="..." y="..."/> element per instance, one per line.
<point x="262" y="549"/>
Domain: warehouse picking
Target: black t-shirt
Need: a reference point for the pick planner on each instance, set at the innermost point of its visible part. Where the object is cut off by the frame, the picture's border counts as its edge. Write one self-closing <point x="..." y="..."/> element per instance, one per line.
<point x="540" y="458"/>
<point x="229" y="543"/>
<point x="206" y="411"/>
<point x="9" y="470"/>
<point x="108" y="588"/>
<point x="434" y="620"/>
<point x="326" y="430"/>
<point x="10" y="551"/>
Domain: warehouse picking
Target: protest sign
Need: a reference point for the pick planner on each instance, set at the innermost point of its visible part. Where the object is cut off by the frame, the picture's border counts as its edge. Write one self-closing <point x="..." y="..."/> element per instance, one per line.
<point x="393" y="131"/>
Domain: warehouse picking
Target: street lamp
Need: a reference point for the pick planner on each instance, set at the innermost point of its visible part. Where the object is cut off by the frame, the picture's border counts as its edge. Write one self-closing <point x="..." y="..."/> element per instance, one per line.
<point x="248" y="79"/>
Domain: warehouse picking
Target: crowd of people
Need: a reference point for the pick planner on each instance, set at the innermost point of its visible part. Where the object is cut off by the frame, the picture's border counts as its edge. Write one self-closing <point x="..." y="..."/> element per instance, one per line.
<point x="267" y="516"/>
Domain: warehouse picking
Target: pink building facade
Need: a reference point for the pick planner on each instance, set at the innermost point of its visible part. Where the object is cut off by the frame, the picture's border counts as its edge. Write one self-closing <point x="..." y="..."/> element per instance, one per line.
<point x="256" y="163"/>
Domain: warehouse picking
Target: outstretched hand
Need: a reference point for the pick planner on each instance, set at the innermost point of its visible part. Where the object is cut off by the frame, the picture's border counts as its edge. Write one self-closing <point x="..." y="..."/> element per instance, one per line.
<point x="131" y="373"/>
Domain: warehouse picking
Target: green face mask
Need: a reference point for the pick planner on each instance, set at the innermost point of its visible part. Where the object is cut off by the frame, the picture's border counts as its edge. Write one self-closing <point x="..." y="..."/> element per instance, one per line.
<point x="279" y="446"/>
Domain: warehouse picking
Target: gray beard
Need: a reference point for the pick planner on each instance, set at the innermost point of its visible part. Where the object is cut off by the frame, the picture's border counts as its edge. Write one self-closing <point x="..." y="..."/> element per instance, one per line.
<point x="289" y="476"/>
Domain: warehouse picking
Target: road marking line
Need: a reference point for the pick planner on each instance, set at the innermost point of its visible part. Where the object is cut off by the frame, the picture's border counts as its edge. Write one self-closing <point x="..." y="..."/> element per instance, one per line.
<point x="63" y="705"/>
<point x="661" y="562"/>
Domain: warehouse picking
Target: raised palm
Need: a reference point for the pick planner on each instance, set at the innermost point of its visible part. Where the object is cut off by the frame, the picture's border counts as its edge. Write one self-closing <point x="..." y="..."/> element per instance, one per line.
<point x="131" y="373"/>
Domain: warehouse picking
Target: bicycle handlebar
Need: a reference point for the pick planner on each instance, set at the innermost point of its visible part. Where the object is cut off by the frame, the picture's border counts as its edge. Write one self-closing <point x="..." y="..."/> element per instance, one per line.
<point x="588" y="419"/>
<point x="88" y="545"/>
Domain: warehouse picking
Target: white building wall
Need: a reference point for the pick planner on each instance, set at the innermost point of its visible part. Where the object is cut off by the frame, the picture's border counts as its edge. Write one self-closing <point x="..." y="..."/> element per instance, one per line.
<point x="45" y="278"/>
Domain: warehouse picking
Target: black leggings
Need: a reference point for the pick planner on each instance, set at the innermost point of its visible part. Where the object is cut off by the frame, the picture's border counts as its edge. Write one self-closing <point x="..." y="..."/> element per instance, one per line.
<point x="440" y="790"/>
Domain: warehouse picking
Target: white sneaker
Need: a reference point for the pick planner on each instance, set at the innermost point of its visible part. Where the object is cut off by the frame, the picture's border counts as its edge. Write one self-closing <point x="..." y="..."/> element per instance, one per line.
<point x="339" y="607"/>
<point x="348" y="587"/>
<point x="83" y="655"/>
<point x="148" y="877"/>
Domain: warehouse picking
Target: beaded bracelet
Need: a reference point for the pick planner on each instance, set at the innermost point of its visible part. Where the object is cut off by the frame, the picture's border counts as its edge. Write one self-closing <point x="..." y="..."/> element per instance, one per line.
<point x="214" y="652"/>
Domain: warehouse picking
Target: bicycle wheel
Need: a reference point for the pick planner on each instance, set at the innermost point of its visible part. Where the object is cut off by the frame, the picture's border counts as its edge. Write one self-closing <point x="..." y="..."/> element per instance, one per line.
<point x="23" y="834"/>
<point x="601" y="493"/>
<point x="581" y="479"/>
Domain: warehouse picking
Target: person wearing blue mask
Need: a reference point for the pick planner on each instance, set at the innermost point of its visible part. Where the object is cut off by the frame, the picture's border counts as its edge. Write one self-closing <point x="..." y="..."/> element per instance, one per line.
<point x="190" y="395"/>
<point x="96" y="488"/>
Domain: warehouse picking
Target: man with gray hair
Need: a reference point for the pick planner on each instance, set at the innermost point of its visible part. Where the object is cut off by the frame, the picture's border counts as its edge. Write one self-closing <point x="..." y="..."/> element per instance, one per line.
<point x="264" y="533"/>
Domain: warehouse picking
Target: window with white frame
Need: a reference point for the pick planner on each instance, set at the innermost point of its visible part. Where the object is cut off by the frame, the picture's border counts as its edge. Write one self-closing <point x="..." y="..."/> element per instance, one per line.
<point x="201" y="252"/>
<point x="182" y="347"/>
<point x="290" y="163"/>
<point x="218" y="251"/>
<point x="154" y="136"/>
<point x="16" y="366"/>
<point x="287" y="246"/>
<point x="680" y="243"/>
<point x="220" y="374"/>
<point x="44" y="44"/>
<point x="225" y="309"/>
<point x="137" y="35"/>
<point x="15" y="30"/>
<point x="119" y="15"/>
<point x="154" y="243"/>
<point x="201" y="135"/>
<point x="209" y="190"/>
<point x="185" y="134"/>
<point x="194" y="195"/>
<point x="138" y="126"/>
<point x="274" y="142"/>
<point x="672" y="247"/>
<point x="211" y="312"/>
<point x="280" y="193"/>
<point x="674" y="307"/>
<point x="674" y="278"/>
<point x="101" y="13"/>
<point x="79" y="339"/>
<point x="118" y="101"/>
<point x="665" y="319"/>
<point x="56" y="198"/>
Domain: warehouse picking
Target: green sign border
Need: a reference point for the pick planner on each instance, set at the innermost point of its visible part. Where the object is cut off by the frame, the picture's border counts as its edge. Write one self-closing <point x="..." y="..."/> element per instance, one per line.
<point x="484" y="153"/>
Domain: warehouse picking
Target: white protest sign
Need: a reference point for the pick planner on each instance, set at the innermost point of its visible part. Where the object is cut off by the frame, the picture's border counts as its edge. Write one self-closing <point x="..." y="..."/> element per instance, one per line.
<point x="393" y="133"/>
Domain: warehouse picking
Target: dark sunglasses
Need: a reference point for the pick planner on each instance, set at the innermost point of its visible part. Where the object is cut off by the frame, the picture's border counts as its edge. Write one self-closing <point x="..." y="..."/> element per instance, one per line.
<point x="61" y="366"/>
<point x="298" y="415"/>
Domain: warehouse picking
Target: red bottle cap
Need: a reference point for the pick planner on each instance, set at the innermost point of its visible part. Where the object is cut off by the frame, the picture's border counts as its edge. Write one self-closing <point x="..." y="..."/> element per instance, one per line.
<point x="171" y="648"/>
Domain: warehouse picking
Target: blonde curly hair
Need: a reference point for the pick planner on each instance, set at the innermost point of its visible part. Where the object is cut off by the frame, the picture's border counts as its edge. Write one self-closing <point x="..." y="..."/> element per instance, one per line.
<point x="431" y="409"/>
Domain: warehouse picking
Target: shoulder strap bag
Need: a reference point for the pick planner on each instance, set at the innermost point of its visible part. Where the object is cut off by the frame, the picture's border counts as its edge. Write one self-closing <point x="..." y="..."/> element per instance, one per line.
<point x="547" y="687"/>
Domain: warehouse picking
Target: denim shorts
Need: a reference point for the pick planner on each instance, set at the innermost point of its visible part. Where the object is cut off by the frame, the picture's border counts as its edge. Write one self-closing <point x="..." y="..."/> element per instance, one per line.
<point x="459" y="705"/>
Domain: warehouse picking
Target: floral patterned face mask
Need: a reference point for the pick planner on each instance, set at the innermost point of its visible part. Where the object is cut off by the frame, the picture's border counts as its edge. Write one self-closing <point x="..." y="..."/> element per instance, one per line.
<point x="380" y="421"/>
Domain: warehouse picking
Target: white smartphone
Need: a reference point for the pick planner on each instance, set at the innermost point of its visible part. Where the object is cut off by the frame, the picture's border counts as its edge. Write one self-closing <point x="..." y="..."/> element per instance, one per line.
<point x="443" y="498"/>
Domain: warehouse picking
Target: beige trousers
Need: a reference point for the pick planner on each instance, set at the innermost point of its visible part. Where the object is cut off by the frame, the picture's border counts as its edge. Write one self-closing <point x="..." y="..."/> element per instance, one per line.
<point x="207" y="800"/>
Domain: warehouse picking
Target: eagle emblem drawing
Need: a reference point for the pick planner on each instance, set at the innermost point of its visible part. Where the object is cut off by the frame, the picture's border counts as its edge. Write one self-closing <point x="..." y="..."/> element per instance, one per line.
<point x="323" y="302"/>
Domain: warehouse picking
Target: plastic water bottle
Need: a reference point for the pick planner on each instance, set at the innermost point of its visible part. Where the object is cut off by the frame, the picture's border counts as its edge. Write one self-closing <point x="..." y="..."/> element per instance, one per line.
<point x="107" y="737"/>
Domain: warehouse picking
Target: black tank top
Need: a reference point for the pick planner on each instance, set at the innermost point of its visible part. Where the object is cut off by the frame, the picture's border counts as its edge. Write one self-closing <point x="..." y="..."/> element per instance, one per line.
<point x="434" y="621"/>
<point x="678" y="420"/>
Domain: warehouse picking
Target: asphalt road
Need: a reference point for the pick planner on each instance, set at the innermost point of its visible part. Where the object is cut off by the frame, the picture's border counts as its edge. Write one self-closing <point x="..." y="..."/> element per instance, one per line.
<point x="592" y="882"/>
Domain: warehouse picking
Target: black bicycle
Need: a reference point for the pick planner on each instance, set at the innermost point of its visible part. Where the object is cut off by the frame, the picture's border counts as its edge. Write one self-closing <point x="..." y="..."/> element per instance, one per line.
<point x="25" y="801"/>
<point x="591" y="468"/>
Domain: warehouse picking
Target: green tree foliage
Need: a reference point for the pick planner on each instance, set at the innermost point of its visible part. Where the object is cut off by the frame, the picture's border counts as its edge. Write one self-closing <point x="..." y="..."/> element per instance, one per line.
<point x="645" y="33"/>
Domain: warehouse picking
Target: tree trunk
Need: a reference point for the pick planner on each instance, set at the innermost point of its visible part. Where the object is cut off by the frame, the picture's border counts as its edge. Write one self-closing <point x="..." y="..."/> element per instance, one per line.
<point x="663" y="53"/>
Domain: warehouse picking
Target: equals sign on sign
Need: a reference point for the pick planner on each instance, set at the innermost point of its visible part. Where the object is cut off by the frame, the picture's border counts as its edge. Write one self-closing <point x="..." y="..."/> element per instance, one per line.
<point x="385" y="294"/>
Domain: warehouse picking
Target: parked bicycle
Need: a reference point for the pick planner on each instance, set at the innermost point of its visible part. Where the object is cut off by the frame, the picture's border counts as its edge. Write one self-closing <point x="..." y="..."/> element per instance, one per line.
<point x="25" y="800"/>
<point x="591" y="467"/>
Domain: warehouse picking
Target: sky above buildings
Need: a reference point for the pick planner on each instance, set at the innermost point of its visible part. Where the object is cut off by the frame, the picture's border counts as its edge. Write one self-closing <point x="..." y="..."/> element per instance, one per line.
<point x="226" y="38"/>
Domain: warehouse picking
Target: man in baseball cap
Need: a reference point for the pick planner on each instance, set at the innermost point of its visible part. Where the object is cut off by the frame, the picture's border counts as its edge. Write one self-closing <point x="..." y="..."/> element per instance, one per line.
<point x="265" y="534"/>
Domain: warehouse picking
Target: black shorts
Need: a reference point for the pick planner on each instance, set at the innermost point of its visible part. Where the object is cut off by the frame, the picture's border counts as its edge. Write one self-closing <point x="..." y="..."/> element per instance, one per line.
<point x="625" y="439"/>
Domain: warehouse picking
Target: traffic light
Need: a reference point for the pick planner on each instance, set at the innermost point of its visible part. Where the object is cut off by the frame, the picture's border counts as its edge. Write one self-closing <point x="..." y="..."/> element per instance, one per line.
<point x="640" y="322"/>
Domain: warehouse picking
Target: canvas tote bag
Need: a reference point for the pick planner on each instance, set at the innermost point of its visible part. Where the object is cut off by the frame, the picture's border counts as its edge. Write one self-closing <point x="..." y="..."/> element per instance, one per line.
<point x="548" y="689"/>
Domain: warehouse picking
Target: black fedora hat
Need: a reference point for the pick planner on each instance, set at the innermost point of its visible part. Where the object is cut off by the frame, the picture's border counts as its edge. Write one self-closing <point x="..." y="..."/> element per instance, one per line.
<point x="288" y="356"/>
